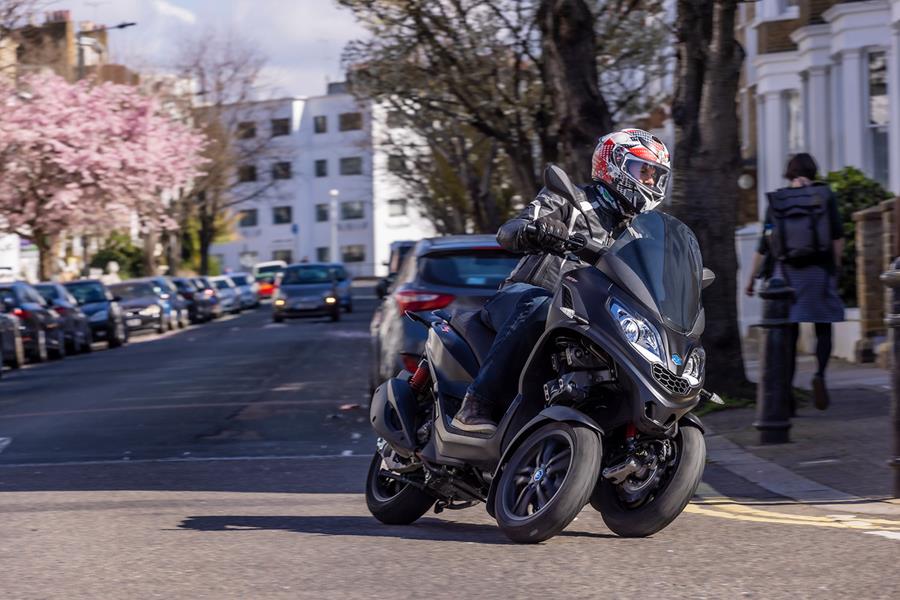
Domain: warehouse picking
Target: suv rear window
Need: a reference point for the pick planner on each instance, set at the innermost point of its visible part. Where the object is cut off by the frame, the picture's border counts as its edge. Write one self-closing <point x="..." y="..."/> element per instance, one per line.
<point x="87" y="292"/>
<point x="239" y="279"/>
<point x="49" y="292"/>
<point x="469" y="269"/>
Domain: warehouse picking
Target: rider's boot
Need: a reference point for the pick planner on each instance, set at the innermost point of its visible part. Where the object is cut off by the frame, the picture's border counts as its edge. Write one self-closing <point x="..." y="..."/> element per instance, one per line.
<point x="474" y="416"/>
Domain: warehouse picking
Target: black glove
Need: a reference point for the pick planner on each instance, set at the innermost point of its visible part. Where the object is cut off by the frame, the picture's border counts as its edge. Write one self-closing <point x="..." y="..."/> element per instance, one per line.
<point x="550" y="234"/>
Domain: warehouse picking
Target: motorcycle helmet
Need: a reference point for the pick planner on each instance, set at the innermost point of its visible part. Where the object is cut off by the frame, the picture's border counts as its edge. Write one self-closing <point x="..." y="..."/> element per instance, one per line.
<point x="633" y="165"/>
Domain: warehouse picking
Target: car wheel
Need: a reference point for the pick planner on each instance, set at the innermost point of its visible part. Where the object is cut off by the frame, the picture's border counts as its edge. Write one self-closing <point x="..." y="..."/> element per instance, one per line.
<point x="349" y="308"/>
<point x="162" y="326"/>
<point x="39" y="352"/>
<point x="336" y="314"/>
<point x="86" y="341"/>
<point x="278" y="318"/>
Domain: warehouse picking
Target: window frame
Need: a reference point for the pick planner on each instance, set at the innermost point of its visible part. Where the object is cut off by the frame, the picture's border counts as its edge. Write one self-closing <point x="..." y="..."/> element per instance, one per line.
<point x="323" y="162"/>
<point x="244" y="213"/>
<point x="350" y="121"/>
<point x="290" y="214"/>
<point x="279" y="171"/>
<point x="317" y="119"/>
<point x="277" y="130"/>
<point x="244" y="174"/>
<point x="355" y="215"/>
<point x="362" y="256"/>
<point x="323" y="208"/>
<point x="345" y="171"/>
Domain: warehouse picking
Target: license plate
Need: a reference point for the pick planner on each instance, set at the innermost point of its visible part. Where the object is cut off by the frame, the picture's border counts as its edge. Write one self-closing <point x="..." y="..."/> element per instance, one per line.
<point x="304" y="305"/>
<point x="133" y="322"/>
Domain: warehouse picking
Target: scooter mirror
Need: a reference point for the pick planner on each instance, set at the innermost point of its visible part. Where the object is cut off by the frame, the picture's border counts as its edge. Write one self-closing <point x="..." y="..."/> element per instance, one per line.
<point x="708" y="277"/>
<point x="557" y="181"/>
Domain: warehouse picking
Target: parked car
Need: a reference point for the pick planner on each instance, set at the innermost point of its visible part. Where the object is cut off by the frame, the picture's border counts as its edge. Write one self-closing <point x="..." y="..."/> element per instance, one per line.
<point x="210" y="294"/>
<point x="40" y="326"/>
<point x="178" y="309"/>
<point x="399" y="251"/>
<point x="307" y="290"/>
<point x="143" y="304"/>
<point x="460" y="271"/>
<point x="105" y="315"/>
<point x="247" y="288"/>
<point x="199" y="304"/>
<point x="227" y="292"/>
<point x="12" y="349"/>
<point x="75" y="322"/>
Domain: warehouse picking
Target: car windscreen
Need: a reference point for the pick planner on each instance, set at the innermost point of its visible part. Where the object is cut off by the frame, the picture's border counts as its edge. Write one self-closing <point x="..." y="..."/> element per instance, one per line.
<point x="467" y="268"/>
<point x="239" y="279"/>
<point x="87" y="292"/>
<point x="185" y="285"/>
<point x="305" y="275"/>
<point x="270" y="278"/>
<point x="663" y="253"/>
<point x="49" y="292"/>
<point x="129" y="291"/>
<point x="8" y="292"/>
<point x="270" y="269"/>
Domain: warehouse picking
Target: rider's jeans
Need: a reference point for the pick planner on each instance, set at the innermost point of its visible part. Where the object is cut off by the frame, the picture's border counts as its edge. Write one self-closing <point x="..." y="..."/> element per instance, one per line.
<point x="517" y="313"/>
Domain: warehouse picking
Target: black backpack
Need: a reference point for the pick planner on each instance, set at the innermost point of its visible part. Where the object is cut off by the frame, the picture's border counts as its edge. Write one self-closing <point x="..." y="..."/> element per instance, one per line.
<point x="801" y="225"/>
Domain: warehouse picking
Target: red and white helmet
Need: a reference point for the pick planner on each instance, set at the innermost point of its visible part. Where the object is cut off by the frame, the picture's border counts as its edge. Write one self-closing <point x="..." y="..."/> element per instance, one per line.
<point x="634" y="165"/>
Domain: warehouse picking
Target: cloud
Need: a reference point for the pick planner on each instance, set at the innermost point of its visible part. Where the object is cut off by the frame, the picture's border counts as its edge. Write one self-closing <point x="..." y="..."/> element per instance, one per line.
<point x="171" y="10"/>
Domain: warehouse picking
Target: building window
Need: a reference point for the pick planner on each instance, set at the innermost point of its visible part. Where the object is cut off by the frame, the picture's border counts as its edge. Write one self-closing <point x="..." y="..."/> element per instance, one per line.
<point x="320" y="124"/>
<point x="351" y="166"/>
<point x="396" y="163"/>
<point x="281" y="170"/>
<point x="795" y="141"/>
<point x="246" y="173"/>
<point x="282" y="215"/>
<point x="246" y="130"/>
<point x="352" y="210"/>
<point x="281" y="127"/>
<point x="879" y="117"/>
<point x="321" y="168"/>
<point x="394" y="119"/>
<point x="397" y="207"/>
<point x="353" y="253"/>
<point x="350" y="121"/>
<point x="285" y="255"/>
<point x="323" y="254"/>
<point x="248" y="218"/>
<point x="321" y="213"/>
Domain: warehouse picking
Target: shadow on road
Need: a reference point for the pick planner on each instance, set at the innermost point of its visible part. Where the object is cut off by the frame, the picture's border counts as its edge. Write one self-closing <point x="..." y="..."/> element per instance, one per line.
<point x="430" y="529"/>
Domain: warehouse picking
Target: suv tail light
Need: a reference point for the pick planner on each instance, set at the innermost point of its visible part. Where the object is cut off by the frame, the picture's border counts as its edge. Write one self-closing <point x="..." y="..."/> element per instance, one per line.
<point x="21" y="313"/>
<point x="418" y="300"/>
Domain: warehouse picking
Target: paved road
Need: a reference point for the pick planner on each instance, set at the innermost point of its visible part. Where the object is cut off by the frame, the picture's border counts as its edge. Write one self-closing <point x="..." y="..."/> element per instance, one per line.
<point x="226" y="461"/>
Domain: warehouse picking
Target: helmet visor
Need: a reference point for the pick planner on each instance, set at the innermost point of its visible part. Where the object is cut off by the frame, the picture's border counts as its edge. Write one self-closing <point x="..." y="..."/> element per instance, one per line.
<point x="651" y="176"/>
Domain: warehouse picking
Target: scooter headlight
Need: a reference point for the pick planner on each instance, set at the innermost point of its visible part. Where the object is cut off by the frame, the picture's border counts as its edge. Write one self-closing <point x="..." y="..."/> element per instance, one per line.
<point x="638" y="332"/>
<point x="694" y="367"/>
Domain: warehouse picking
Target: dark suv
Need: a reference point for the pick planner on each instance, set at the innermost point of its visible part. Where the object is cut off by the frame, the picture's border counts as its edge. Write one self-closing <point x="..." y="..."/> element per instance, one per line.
<point x="42" y="329"/>
<point x="105" y="315"/>
<point x="460" y="271"/>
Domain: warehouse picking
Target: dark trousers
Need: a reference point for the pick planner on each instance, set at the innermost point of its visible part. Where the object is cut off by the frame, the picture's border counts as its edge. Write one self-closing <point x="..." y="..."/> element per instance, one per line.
<point x="517" y="313"/>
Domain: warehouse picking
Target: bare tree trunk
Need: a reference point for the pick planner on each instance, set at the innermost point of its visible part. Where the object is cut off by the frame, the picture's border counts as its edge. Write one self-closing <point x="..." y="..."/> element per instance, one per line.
<point x="206" y="235"/>
<point x="149" y="253"/>
<point x="568" y="38"/>
<point x="46" y="263"/>
<point x="706" y="169"/>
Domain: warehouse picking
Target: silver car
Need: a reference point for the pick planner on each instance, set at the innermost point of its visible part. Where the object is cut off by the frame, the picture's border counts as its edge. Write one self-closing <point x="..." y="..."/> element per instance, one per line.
<point x="247" y="289"/>
<point x="229" y="299"/>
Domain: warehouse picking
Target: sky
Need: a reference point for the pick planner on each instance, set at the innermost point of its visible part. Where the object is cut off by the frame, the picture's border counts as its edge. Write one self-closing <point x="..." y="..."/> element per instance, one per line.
<point x="302" y="39"/>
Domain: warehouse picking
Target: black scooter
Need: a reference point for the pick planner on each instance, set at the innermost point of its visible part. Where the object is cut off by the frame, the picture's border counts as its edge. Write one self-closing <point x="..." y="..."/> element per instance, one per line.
<point x="603" y="413"/>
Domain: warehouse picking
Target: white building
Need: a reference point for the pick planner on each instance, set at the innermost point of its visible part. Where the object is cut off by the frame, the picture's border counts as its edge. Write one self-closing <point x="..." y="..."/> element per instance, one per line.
<point x="820" y="76"/>
<point x="321" y="188"/>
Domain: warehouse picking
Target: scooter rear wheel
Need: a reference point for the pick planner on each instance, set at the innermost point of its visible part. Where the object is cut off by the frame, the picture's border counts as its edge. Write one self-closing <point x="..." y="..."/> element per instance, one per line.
<point x="547" y="481"/>
<point x="393" y="502"/>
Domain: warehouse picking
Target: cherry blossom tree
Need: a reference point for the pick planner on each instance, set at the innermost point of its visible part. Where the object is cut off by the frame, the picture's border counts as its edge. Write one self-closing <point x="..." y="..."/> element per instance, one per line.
<point x="87" y="159"/>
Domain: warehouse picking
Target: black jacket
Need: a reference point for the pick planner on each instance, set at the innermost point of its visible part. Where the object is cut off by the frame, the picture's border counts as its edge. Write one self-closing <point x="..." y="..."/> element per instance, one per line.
<point x="545" y="270"/>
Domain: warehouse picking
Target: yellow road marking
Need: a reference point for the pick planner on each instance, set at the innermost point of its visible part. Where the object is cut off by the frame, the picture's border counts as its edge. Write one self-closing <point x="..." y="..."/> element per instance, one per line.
<point x="863" y="521"/>
<point x="779" y="518"/>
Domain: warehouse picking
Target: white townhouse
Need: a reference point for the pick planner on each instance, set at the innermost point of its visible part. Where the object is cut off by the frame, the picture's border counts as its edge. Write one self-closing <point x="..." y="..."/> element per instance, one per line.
<point x="320" y="188"/>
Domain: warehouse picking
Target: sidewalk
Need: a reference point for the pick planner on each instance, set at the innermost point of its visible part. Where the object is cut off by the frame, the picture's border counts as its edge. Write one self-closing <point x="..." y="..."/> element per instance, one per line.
<point x="835" y="455"/>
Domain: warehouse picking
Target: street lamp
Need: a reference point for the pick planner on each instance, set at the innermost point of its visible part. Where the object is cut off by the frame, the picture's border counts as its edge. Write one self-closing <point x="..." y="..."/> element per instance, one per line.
<point x="334" y="228"/>
<point x="81" y="44"/>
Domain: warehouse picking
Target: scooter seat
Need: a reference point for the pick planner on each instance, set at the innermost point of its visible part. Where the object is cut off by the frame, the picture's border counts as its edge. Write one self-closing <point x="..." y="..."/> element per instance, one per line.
<point x="468" y="324"/>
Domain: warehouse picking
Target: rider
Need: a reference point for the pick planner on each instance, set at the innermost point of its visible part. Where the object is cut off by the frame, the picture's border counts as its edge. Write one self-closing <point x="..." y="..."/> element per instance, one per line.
<point x="630" y="169"/>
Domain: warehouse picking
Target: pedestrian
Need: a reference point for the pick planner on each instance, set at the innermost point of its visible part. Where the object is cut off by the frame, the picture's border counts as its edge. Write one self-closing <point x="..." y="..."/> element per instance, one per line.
<point x="802" y="242"/>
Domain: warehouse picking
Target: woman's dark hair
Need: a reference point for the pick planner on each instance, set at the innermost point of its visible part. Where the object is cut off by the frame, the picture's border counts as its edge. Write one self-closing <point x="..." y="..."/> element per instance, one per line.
<point x="801" y="165"/>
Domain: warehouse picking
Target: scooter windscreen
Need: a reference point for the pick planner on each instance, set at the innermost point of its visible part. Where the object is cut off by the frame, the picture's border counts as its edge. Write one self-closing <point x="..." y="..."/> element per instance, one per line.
<point x="658" y="259"/>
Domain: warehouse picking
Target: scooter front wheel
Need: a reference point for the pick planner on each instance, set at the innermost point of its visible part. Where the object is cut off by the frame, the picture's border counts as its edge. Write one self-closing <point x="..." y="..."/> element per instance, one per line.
<point x="547" y="481"/>
<point x="629" y="516"/>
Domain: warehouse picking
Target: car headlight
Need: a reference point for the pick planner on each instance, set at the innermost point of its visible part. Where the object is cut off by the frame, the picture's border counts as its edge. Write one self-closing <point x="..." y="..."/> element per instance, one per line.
<point x="100" y="315"/>
<point x="694" y="367"/>
<point x="330" y="299"/>
<point x="151" y="311"/>
<point x="642" y="336"/>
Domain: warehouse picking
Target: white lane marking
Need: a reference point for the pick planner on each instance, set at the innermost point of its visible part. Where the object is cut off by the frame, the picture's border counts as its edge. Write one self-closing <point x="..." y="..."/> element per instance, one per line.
<point x="183" y="459"/>
<point x="4" y="442"/>
<point x="891" y="535"/>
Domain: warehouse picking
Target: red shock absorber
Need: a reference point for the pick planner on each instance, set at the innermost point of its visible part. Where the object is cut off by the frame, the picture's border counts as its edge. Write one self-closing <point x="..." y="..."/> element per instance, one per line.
<point x="421" y="378"/>
<point x="630" y="431"/>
